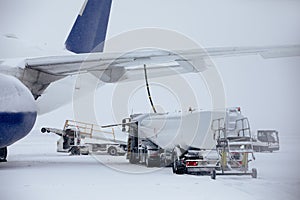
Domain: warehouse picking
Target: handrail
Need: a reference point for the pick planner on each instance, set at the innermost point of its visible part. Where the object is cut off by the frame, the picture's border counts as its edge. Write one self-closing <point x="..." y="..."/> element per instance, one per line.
<point x="88" y="128"/>
<point x="219" y="127"/>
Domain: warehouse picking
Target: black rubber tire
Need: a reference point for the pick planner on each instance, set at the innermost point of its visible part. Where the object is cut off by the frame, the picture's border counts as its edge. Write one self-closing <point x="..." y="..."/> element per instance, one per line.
<point x="254" y="173"/>
<point x="75" y="150"/>
<point x="151" y="163"/>
<point x="132" y="158"/>
<point x="112" y="151"/>
<point x="213" y="174"/>
<point x="148" y="162"/>
<point x="176" y="168"/>
<point x="173" y="164"/>
<point x="3" y="154"/>
<point x="163" y="162"/>
<point x="173" y="170"/>
<point x="85" y="153"/>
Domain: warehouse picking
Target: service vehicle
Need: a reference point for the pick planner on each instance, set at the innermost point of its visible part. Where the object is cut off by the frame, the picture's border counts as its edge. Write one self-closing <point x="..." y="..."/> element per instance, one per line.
<point x="84" y="138"/>
<point x="266" y="140"/>
<point x="191" y="142"/>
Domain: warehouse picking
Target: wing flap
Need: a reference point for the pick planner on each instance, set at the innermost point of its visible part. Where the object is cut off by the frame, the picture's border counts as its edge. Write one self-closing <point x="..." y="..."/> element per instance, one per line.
<point x="83" y="63"/>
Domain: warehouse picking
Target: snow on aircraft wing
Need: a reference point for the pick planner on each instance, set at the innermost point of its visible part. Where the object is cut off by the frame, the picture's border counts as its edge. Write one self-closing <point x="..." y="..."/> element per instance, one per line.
<point x="265" y="52"/>
<point x="117" y="67"/>
<point x="73" y="64"/>
<point x="108" y="67"/>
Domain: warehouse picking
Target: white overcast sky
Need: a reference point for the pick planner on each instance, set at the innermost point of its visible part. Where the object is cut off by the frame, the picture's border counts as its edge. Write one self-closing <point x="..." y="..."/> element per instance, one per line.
<point x="267" y="90"/>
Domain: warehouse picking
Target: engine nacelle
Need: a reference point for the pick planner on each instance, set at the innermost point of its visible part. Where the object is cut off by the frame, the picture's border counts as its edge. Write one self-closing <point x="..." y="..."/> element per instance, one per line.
<point x="18" y="110"/>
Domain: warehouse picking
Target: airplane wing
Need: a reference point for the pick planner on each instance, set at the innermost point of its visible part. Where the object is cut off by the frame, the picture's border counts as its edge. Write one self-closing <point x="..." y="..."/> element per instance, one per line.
<point x="39" y="73"/>
<point x="265" y="52"/>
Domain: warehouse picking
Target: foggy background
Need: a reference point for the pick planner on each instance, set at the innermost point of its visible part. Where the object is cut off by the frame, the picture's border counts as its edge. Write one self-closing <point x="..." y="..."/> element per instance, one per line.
<point x="266" y="89"/>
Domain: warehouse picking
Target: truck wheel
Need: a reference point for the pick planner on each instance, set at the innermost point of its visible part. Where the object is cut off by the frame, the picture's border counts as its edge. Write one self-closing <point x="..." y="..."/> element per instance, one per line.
<point x="163" y="162"/>
<point x="112" y="151"/>
<point x="3" y="154"/>
<point x="75" y="150"/>
<point x="213" y="174"/>
<point x="150" y="163"/>
<point x="173" y="164"/>
<point x="254" y="173"/>
<point x="132" y="158"/>
<point x="85" y="153"/>
<point x="176" y="167"/>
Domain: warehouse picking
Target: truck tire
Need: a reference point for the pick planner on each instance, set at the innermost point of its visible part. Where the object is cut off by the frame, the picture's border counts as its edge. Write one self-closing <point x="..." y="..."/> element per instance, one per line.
<point x="132" y="158"/>
<point x="213" y="174"/>
<point x="150" y="163"/>
<point x="163" y="162"/>
<point x="85" y="153"/>
<point x="254" y="173"/>
<point x="112" y="151"/>
<point x="173" y="164"/>
<point x="177" y="167"/>
<point x="3" y="154"/>
<point x="75" y="150"/>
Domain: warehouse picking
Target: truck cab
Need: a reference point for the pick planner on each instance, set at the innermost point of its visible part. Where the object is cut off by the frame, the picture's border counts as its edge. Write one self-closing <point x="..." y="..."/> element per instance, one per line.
<point x="70" y="142"/>
<point x="266" y="140"/>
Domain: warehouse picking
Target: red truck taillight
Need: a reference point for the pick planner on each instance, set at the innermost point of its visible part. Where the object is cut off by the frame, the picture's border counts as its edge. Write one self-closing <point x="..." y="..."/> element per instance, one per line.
<point x="192" y="163"/>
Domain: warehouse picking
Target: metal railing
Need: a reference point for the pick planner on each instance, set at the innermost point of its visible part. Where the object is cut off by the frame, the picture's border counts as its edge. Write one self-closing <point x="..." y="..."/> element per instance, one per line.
<point x="87" y="128"/>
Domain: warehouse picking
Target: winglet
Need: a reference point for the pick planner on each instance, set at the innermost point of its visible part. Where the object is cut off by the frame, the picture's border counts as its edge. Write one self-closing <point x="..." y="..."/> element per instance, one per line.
<point x="89" y="31"/>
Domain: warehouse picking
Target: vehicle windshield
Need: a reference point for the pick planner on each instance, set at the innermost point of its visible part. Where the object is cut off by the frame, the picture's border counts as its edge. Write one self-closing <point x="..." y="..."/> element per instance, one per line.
<point x="268" y="137"/>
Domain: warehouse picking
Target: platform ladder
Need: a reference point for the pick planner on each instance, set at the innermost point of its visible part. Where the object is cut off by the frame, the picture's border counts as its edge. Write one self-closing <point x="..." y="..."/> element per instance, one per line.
<point x="234" y="144"/>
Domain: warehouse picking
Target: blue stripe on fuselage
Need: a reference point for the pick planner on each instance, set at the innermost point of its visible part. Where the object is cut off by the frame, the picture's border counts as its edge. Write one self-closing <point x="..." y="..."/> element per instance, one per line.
<point x="14" y="126"/>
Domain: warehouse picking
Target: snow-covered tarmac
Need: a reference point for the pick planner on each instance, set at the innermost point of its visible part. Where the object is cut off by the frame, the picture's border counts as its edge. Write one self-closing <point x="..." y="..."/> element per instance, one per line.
<point x="36" y="171"/>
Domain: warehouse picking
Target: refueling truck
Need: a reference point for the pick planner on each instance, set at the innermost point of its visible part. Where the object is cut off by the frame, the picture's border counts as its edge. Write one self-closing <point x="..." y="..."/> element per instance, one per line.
<point x="205" y="142"/>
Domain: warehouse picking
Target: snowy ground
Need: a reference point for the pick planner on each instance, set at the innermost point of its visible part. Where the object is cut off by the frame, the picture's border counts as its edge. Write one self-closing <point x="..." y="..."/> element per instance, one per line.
<point x="36" y="171"/>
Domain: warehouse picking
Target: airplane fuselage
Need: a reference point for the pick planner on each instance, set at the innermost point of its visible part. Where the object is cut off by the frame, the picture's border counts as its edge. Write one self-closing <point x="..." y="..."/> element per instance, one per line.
<point x="18" y="110"/>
